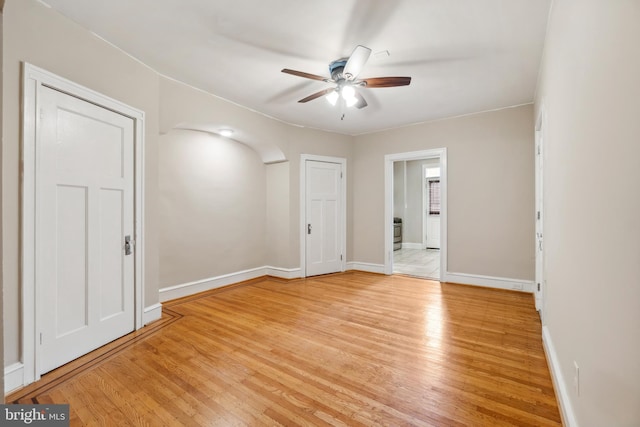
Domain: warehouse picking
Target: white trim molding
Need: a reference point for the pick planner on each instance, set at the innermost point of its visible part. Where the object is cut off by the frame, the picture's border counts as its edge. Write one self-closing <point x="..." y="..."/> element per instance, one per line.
<point x="407" y="245"/>
<point x="13" y="377"/>
<point x="152" y="313"/>
<point x="366" y="266"/>
<point x="489" y="281"/>
<point x="283" y="273"/>
<point x="191" y="288"/>
<point x="33" y="79"/>
<point x="559" y="384"/>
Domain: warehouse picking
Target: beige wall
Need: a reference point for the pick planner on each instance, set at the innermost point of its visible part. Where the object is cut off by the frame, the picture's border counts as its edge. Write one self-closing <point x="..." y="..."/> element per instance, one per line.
<point x="212" y="207"/>
<point x="181" y="104"/>
<point x="490" y="190"/>
<point x="38" y="35"/>
<point x="589" y="88"/>
<point x="278" y="216"/>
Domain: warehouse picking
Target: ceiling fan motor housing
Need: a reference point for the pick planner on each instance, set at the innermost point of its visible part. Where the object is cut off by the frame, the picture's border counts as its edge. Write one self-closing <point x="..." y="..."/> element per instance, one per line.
<point x="336" y="69"/>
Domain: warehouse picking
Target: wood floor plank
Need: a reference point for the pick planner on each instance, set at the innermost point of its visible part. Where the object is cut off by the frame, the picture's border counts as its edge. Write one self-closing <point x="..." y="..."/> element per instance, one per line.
<point x="350" y="349"/>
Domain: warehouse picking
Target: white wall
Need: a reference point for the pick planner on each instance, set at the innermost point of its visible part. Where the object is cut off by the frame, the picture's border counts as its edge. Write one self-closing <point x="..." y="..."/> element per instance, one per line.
<point x="590" y="90"/>
<point x="490" y="190"/>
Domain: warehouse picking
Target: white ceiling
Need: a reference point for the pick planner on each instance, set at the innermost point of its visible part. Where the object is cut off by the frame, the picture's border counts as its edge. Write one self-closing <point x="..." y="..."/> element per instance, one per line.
<point x="464" y="56"/>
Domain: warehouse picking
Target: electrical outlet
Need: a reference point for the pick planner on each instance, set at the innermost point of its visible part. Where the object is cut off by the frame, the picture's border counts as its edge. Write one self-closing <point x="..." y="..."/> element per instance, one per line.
<point x="576" y="377"/>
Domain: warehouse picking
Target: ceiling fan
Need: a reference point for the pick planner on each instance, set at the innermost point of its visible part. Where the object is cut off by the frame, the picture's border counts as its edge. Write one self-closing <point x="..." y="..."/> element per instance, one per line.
<point x="344" y="73"/>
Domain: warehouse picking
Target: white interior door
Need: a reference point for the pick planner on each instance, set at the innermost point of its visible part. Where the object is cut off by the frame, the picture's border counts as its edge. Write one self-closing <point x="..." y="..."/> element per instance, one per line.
<point x="539" y="289"/>
<point x="433" y="232"/>
<point x="84" y="210"/>
<point x="323" y="224"/>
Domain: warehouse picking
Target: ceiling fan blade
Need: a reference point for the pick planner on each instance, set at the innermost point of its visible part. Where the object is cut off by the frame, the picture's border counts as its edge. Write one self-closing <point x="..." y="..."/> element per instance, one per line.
<point x="317" y="95"/>
<point x="386" y="81"/>
<point x="356" y="62"/>
<point x="306" y="75"/>
<point x="361" y="101"/>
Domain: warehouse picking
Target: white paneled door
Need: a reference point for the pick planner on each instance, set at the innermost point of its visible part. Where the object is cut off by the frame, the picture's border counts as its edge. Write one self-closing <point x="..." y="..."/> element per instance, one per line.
<point x="539" y="182"/>
<point x="323" y="222"/>
<point x="84" y="227"/>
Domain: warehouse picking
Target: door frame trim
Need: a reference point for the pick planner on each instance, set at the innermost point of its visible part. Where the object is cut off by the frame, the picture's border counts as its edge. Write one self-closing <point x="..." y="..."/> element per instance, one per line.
<point x="539" y="295"/>
<point x="303" y="208"/>
<point x="33" y="79"/>
<point x="389" y="159"/>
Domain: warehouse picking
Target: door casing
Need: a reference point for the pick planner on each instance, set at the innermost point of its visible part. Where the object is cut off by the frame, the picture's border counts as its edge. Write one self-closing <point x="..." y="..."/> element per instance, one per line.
<point x="33" y="79"/>
<point x="303" y="209"/>
<point x="540" y="283"/>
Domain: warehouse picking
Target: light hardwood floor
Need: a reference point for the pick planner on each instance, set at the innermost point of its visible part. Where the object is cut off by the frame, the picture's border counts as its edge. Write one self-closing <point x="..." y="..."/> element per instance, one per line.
<point x="353" y="349"/>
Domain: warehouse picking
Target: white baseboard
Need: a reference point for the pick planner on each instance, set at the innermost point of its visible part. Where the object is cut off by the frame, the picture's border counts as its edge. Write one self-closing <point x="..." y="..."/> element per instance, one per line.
<point x="152" y="313"/>
<point x="559" y="384"/>
<point x="366" y="266"/>
<point x="284" y="273"/>
<point x="190" y="288"/>
<point x="13" y="377"/>
<point x="490" y="282"/>
<point x="406" y="245"/>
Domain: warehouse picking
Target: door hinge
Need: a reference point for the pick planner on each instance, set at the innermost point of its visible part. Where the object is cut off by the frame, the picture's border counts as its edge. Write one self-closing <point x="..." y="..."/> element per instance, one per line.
<point x="41" y="114"/>
<point x="538" y="287"/>
<point x="538" y="215"/>
<point x="340" y="257"/>
<point x="340" y="174"/>
<point x="40" y="338"/>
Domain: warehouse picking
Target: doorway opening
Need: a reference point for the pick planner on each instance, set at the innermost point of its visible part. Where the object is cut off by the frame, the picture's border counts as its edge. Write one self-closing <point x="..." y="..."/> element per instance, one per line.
<point x="415" y="208"/>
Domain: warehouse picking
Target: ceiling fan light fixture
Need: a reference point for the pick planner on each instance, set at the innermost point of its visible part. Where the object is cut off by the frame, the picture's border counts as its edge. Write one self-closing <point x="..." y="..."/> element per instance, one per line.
<point x="333" y="97"/>
<point x="348" y="92"/>
<point x="349" y="95"/>
<point x="344" y="75"/>
<point x="351" y="101"/>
